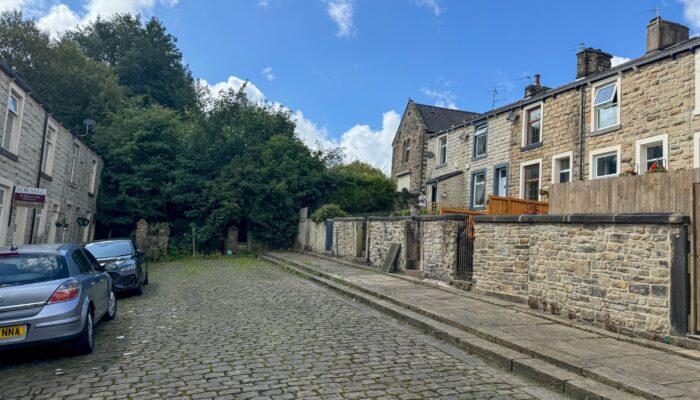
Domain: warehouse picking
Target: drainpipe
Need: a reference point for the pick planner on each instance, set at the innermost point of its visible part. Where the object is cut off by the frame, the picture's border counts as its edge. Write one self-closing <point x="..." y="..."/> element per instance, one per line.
<point x="581" y="133"/>
<point x="38" y="175"/>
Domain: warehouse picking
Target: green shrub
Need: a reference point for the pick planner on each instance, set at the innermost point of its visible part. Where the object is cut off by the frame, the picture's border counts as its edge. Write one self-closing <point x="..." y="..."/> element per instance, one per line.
<point x="328" y="211"/>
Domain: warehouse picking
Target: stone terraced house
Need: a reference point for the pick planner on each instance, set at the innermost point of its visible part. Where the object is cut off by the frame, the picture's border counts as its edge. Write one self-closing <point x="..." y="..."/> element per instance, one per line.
<point x="608" y="121"/>
<point x="37" y="151"/>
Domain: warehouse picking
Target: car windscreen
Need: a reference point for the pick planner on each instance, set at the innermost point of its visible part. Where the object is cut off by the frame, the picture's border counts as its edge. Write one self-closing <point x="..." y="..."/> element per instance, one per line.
<point x="23" y="269"/>
<point x="110" y="249"/>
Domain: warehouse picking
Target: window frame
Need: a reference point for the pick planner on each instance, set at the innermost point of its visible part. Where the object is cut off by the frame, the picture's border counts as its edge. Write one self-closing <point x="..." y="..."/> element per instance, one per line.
<point x="556" y="172"/>
<point x="74" y="162"/>
<point x="438" y="154"/>
<point x="642" y="144"/>
<point x="406" y="150"/>
<point x="480" y="130"/>
<point x="594" y="91"/>
<point x="496" y="169"/>
<point x="472" y="189"/>
<point x="524" y="165"/>
<point x="93" y="176"/>
<point x="49" y="149"/>
<point x="595" y="154"/>
<point x="526" y="124"/>
<point x="20" y="96"/>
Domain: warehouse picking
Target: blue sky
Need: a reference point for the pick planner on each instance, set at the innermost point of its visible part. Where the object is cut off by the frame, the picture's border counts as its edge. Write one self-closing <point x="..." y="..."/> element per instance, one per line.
<point x="347" y="67"/>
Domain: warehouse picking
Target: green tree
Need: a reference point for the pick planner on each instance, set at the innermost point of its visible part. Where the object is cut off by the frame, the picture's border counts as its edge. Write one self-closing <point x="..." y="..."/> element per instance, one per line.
<point x="143" y="55"/>
<point x="361" y="188"/>
<point x="140" y="149"/>
<point x="74" y="86"/>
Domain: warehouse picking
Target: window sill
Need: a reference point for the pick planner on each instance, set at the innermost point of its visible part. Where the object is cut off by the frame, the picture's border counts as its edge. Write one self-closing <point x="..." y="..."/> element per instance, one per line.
<point x="531" y="146"/>
<point x="12" y="156"/>
<point x="481" y="157"/>
<point x="479" y="208"/>
<point x="605" y="130"/>
<point x="46" y="176"/>
<point x="440" y="166"/>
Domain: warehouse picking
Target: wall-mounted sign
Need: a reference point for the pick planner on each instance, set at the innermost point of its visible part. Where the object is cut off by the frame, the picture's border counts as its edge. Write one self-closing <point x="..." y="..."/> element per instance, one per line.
<point x="29" y="197"/>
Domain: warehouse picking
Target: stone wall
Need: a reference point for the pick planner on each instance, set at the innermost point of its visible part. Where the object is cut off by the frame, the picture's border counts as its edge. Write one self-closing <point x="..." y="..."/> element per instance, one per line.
<point x="382" y="233"/>
<point x="69" y="196"/>
<point x="624" y="272"/>
<point x="154" y="244"/>
<point x="439" y="246"/>
<point x="345" y="237"/>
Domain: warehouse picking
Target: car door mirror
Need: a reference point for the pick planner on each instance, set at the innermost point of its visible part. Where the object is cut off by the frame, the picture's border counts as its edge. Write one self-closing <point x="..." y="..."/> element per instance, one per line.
<point x="100" y="268"/>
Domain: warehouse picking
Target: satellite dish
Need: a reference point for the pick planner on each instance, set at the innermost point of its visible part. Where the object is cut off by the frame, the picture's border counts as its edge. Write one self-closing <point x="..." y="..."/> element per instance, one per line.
<point x="89" y="123"/>
<point x="430" y="154"/>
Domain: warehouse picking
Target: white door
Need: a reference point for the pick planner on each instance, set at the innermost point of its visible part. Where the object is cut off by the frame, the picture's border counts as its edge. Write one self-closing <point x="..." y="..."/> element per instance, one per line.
<point x="502" y="182"/>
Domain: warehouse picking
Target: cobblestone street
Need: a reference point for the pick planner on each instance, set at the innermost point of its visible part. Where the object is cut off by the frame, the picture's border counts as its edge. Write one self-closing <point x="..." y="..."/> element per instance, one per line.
<point x="243" y="329"/>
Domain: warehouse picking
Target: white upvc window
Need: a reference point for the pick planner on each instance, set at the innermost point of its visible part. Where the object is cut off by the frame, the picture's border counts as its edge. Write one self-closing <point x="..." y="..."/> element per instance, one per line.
<point x="442" y="150"/>
<point x="74" y="163"/>
<point x="652" y="151"/>
<point x="604" y="163"/>
<point x="479" y="190"/>
<point x="93" y="176"/>
<point x="49" y="150"/>
<point x="561" y="167"/>
<point x="13" y="121"/>
<point x="532" y="124"/>
<point x="606" y="105"/>
<point x="531" y="179"/>
<point x="480" y="140"/>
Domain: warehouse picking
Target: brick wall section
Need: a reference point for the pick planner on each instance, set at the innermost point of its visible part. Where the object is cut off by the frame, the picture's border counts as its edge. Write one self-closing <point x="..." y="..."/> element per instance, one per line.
<point x="64" y="198"/>
<point x="382" y="233"/>
<point x="616" y="276"/>
<point x="411" y="128"/>
<point x="439" y="245"/>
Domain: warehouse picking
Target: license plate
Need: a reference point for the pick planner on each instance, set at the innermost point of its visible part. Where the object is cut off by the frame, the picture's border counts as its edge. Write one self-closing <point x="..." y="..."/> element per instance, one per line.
<point x="8" y="332"/>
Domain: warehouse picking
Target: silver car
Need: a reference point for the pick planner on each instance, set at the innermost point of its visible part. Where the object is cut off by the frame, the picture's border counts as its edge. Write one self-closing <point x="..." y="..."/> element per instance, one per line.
<point x="52" y="293"/>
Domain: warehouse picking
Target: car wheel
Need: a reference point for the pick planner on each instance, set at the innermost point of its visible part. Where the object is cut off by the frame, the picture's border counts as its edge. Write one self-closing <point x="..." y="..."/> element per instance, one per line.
<point x="111" y="308"/>
<point x="85" y="342"/>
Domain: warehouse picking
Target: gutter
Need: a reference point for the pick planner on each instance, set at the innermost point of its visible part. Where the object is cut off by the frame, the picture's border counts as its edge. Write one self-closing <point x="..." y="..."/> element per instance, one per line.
<point x="581" y="134"/>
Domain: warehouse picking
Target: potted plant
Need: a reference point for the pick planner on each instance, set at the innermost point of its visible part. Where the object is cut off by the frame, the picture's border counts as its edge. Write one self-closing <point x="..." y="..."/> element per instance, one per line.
<point x="62" y="223"/>
<point x="656" y="168"/>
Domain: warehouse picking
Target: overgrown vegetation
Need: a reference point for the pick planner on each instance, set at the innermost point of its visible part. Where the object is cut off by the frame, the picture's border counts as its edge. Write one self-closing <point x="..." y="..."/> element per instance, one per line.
<point x="328" y="211"/>
<point x="173" y="151"/>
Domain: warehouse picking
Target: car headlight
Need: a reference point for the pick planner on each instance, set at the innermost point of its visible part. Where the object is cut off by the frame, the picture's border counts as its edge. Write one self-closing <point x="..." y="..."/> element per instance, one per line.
<point x="125" y="265"/>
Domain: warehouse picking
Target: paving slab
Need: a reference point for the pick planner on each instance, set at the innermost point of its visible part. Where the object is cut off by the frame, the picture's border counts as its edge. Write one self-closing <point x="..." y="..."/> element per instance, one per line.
<point x="641" y="370"/>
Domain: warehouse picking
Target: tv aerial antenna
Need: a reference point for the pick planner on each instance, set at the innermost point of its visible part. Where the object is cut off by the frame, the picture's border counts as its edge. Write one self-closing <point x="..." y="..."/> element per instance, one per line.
<point x="656" y="11"/>
<point x="494" y="95"/>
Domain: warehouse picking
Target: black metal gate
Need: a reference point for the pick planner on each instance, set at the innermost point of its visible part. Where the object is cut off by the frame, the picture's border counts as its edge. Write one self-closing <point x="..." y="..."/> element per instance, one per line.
<point x="329" y="235"/>
<point x="465" y="250"/>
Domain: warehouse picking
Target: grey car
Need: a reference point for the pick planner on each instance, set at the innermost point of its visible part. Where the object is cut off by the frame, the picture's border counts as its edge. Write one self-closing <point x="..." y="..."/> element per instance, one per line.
<point x="126" y="264"/>
<point x="52" y="293"/>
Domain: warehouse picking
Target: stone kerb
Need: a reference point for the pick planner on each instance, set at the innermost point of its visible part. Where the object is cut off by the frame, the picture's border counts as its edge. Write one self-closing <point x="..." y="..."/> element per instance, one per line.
<point x="624" y="272"/>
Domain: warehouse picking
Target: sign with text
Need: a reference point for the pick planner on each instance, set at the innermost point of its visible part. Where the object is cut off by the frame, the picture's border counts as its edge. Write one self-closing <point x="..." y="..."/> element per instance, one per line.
<point x="30" y="197"/>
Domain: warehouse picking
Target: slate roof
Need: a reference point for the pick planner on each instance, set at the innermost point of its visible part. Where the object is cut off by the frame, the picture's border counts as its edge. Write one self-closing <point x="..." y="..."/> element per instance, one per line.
<point x="438" y="119"/>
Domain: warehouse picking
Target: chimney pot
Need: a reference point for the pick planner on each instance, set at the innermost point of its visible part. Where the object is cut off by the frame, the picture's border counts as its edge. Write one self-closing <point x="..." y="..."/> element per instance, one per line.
<point x="535" y="87"/>
<point x="662" y="34"/>
<point x="590" y="61"/>
<point x="537" y="80"/>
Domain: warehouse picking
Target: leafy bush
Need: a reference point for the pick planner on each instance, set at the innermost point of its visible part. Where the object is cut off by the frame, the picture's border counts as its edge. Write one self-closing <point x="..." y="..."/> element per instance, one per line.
<point x="328" y="211"/>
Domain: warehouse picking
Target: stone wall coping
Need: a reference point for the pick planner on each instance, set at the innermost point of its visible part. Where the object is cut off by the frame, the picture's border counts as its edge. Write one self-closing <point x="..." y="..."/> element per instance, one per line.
<point x="348" y="219"/>
<point x="446" y="217"/>
<point x="397" y="218"/>
<point x="620" y="218"/>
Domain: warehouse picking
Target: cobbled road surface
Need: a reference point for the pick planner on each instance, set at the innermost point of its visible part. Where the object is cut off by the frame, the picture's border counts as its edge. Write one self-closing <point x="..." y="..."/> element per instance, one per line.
<point x="240" y="329"/>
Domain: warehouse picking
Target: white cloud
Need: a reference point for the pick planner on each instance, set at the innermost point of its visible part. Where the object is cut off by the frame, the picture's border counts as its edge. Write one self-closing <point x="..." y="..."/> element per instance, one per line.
<point x="61" y="17"/>
<point x="342" y="12"/>
<point x="617" y="60"/>
<point x="12" y="5"/>
<point x="443" y="98"/>
<point x="233" y="82"/>
<point x="433" y="5"/>
<point x="267" y="73"/>
<point x="691" y="12"/>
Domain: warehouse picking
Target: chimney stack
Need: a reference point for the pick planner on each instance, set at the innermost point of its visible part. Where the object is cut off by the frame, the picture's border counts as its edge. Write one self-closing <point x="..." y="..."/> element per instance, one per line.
<point x="662" y="34"/>
<point x="590" y="61"/>
<point x="535" y="88"/>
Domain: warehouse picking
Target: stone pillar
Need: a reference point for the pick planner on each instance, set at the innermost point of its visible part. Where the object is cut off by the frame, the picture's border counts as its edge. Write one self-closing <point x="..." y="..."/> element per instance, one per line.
<point x="163" y="238"/>
<point x="232" y="239"/>
<point x="141" y="233"/>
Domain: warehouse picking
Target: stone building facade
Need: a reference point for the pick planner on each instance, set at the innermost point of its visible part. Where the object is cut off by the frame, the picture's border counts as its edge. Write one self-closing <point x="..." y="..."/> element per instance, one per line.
<point x="611" y="120"/>
<point x="408" y="164"/>
<point x="36" y="150"/>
